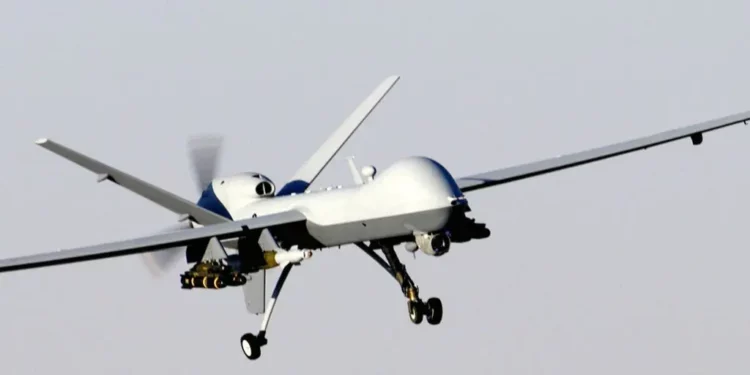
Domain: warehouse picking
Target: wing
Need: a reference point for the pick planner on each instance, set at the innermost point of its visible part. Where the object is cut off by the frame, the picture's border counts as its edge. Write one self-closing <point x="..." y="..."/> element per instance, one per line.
<point x="519" y="172"/>
<point x="320" y="159"/>
<point x="157" y="195"/>
<point x="154" y="243"/>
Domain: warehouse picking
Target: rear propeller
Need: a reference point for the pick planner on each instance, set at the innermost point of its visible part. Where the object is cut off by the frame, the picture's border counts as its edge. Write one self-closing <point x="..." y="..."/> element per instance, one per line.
<point x="203" y="151"/>
<point x="159" y="262"/>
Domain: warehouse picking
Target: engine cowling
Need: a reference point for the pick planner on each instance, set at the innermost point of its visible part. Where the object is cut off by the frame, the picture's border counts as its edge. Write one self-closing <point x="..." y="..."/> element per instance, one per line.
<point x="433" y="244"/>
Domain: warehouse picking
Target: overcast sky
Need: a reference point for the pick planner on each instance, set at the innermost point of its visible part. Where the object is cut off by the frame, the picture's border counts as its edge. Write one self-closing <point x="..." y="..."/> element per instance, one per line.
<point x="631" y="265"/>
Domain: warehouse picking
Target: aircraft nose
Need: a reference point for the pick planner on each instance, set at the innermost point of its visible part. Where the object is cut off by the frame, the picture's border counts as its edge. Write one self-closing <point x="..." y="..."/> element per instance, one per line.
<point x="420" y="179"/>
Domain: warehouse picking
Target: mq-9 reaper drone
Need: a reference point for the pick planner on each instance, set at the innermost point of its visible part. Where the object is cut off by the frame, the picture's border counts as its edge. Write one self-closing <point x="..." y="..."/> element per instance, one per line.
<point x="243" y="224"/>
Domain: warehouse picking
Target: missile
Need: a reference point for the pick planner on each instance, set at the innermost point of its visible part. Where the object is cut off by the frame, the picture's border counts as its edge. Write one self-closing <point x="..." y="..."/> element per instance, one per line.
<point x="202" y="282"/>
<point x="274" y="258"/>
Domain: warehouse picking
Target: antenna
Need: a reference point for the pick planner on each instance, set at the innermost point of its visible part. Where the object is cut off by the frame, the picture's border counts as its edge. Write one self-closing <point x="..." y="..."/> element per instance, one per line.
<point x="355" y="173"/>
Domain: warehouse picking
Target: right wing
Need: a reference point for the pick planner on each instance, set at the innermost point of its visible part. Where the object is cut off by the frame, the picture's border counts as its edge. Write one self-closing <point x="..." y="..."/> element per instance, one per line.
<point x="519" y="172"/>
<point x="157" y="242"/>
<point x="320" y="159"/>
<point x="155" y="194"/>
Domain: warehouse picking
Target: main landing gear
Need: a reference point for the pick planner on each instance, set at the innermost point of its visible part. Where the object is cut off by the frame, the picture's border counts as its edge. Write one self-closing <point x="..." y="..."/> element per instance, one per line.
<point x="432" y="310"/>
<point x="251" y="343"/>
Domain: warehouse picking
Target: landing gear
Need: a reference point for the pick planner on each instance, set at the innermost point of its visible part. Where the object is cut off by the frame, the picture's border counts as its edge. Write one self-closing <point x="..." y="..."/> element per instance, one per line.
<point x="415" y="312"/>
<point x="432" y="310"/>
<point x="251" y="344"/>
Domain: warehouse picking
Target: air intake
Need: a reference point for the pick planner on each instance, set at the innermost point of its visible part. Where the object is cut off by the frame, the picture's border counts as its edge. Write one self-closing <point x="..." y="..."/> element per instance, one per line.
<point x="264" y="188"/>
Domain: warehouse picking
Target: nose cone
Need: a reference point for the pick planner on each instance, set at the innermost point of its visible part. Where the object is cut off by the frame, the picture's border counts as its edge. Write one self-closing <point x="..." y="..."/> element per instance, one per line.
<point x="421" y="179"/>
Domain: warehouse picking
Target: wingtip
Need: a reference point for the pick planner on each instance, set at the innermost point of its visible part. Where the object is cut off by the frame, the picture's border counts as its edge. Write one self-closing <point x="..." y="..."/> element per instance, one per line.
<point x="390" y="81"/>
<point x="41" y="141"/>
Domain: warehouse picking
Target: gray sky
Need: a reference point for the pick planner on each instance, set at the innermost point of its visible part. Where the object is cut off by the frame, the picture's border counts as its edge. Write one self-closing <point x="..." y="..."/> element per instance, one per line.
<point x="631" y="265"/>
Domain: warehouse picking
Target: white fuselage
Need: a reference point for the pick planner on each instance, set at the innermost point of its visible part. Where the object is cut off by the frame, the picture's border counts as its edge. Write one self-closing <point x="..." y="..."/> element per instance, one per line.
<point x="413" y="195"/>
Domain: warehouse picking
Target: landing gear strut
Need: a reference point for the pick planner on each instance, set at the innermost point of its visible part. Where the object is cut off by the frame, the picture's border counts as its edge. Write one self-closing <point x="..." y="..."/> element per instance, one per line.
<point x="251" y="343"/>
<point x="432" y="310"/>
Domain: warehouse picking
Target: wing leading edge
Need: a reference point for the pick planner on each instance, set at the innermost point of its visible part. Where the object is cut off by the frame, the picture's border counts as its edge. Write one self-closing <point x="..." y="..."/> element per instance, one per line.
<point x="153" y="193"/>
<point x="153" y="243"/>
<point x="519" y="172"/>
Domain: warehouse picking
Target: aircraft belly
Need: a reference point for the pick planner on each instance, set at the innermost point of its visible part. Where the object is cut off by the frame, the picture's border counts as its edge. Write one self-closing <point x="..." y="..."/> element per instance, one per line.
<point x="379" y="228"/>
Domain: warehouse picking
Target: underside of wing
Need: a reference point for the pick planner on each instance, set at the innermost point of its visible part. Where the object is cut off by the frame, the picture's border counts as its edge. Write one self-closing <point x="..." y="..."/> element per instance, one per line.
<point x="158" y="242"/>
<point x="510" y="174"/>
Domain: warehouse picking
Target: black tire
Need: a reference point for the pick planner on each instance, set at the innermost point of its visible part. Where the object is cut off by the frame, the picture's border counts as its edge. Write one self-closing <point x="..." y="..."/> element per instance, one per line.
<point x="250" y="346"/>
<point x="434" y="311"/>
<point x="415" y="312"/>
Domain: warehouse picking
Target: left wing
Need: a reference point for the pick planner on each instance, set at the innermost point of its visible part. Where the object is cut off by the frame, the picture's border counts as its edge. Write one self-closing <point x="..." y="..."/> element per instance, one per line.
<point x="510" y="174"/>
<point x="153" y="243"/>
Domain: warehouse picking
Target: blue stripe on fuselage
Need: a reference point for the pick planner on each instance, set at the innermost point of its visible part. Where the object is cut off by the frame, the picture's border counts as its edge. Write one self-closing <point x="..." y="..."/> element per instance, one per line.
<point x="211" y="202"/>
<point x="296" y="186"/>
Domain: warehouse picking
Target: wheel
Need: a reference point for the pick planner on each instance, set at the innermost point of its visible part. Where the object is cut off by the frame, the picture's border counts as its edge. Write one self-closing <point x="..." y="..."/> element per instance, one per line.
<point x="434" y="311"/>
<point x="415" y="312"/>
<point x="250" y="346"/>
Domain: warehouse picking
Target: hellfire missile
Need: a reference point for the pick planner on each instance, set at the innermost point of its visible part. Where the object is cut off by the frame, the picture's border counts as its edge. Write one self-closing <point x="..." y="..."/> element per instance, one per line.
<point x="214" y="275"/>
<point x="276" y="258"/>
